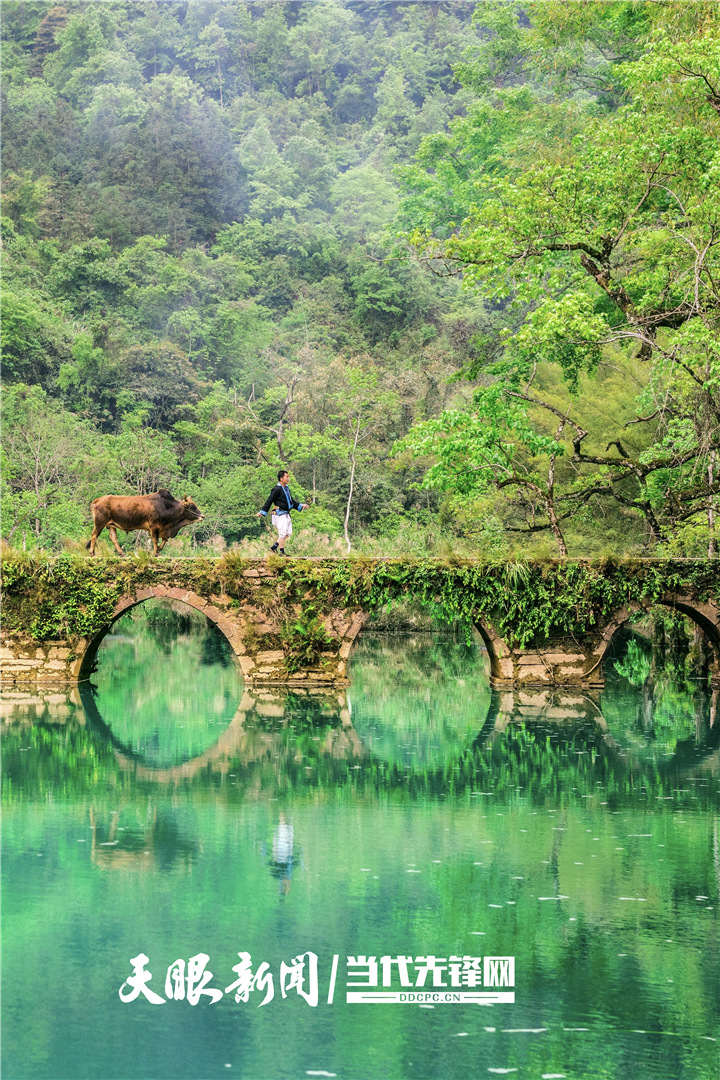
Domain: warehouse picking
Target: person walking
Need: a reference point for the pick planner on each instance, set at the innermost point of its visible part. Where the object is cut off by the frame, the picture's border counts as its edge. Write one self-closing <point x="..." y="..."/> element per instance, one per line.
<point x="281" y="498"/>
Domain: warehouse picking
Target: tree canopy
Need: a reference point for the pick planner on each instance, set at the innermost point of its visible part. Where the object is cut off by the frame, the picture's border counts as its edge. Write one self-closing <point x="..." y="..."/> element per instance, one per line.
<point x="599" y="249"/>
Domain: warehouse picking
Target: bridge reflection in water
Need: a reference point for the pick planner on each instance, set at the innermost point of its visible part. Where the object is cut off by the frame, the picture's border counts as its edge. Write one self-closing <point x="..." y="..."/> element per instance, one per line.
<point x="263" y="730"/>
<point x="409" y="813"/>
<point x="540" y="742"/>
<point x="302" y="730"/>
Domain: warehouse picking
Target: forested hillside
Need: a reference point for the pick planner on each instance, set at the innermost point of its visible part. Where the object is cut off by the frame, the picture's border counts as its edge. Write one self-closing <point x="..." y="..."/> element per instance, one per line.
<point x="455" y="268"/>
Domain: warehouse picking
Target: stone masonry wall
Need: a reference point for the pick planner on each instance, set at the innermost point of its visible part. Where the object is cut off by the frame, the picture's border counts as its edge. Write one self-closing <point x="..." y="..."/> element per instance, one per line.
<point x="259" y="624"/>
<point x="253" y="632"/>
<point x="27" y="662"/>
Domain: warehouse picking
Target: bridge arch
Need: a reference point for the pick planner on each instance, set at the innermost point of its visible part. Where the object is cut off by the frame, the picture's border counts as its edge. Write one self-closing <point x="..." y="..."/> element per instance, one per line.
<point x="501" y="665"/>
<point x="704" y="613"/>
<point x="225" y="623"/>
<point x="498" y="652"/>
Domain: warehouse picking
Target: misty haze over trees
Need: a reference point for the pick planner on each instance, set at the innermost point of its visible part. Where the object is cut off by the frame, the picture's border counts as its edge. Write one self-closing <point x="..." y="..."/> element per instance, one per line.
<point x="455" y="267"/>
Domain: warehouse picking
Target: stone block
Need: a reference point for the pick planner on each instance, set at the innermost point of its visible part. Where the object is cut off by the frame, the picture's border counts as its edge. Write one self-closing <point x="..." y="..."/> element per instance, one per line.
<point x="275" y="712"/>
<point x="123" y="605"/>
<point x="562" y="657"/>
<point x="55" y="665"/>
<point x="535" y="676"/>
<point x="534" y="701"/>
<point x="183" y="595"/>
<point x="564" y="714"/>
<point x="272" y="656"/>
<point x="213" y="612"/>
<point x="237" y="644"/>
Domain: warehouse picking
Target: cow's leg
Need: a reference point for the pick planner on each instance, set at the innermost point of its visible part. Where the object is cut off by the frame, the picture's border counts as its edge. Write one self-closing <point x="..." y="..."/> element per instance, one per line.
<point x="162" y="542"/>
<point x="98" y="526"/>
<point x="155" y="533"/>
<point x="112" y="532"/>
<point x="93" y="539"/>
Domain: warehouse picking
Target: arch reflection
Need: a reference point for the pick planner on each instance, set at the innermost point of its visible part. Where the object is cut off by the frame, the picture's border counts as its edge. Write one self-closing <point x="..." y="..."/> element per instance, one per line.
<point x="166" y="683"/>
<point x="421" y="708"/>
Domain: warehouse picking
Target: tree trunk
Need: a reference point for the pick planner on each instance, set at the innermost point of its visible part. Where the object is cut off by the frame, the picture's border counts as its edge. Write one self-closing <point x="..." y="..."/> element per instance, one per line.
<point x="712" y="540"/>
<point x="352" y="483"/>
<point x="555" y="527"/>
<point x="550" y="501"/>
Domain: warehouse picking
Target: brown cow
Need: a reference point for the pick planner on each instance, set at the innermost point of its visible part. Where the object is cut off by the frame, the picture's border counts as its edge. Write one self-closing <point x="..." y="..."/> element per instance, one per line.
<point x="159" y="513"/>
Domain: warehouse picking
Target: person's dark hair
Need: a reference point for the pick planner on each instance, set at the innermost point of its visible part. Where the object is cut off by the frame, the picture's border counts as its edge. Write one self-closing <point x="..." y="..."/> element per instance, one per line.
<point x="283" y="472"/>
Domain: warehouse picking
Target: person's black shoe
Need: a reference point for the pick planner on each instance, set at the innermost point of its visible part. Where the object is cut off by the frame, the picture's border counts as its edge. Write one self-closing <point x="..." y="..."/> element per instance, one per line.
<point x="281" y="551"/>
<point x="274" y="547"/>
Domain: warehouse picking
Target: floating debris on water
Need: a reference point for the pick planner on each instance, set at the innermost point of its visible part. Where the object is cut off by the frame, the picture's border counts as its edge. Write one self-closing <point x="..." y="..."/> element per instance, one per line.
<point x="523" y="1031"/>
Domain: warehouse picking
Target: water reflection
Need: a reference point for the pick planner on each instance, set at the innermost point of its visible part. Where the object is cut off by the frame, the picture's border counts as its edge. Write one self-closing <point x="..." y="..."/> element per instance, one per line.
<point x="418" y="699"/>
<point x="165" y="684"/>
<point x="168" y="697"/>
<point x="658" y="704"/>
<point x="542" y="742"/>
<point x="151" y="841"/>
<point x="283" y="854"/>
<point x="528" y="824"/>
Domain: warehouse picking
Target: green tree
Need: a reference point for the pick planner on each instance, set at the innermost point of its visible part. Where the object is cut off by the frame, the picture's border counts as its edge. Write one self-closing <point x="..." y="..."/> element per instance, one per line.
<point x="608" y="241"/>
<point x="361" y="407"/>
<point x="50" y="463"/>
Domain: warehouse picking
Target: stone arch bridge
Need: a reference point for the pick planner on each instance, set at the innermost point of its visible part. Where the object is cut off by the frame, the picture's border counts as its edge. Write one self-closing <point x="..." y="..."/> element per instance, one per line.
<point x="294" y="622"/>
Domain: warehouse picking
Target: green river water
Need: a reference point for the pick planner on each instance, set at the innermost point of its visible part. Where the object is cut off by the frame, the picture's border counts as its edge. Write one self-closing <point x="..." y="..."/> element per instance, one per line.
<point x="166" y="811"/>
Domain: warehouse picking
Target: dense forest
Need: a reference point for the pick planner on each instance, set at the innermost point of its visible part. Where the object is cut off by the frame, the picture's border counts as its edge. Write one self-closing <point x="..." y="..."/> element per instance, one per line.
<point x="455" y="266"/>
